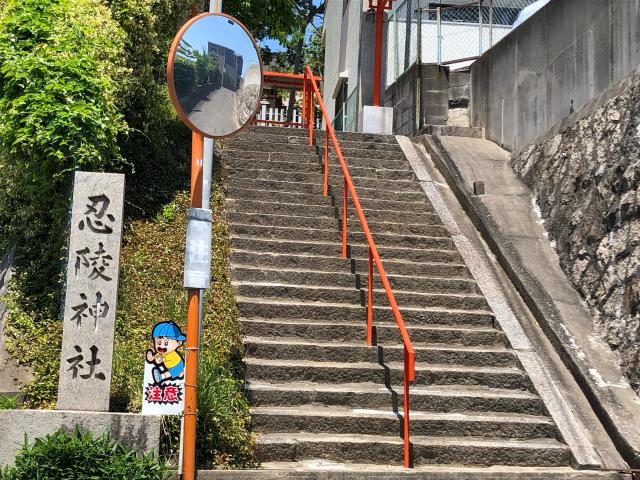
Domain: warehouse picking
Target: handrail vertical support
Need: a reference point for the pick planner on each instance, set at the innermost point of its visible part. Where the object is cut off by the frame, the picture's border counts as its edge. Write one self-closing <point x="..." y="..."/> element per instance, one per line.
<point x="304" y="99"/>
<point x="326" y="163"/>
<point x="370" y="300"/>
<point x="407" y="444"/>
<point x="345" y="212"/>
<point x="310" y="119"/>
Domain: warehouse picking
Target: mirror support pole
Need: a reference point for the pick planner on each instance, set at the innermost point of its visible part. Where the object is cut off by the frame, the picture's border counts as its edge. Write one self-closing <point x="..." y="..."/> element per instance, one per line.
<point x="193" y="330"/>
<point x="215" y="6"/>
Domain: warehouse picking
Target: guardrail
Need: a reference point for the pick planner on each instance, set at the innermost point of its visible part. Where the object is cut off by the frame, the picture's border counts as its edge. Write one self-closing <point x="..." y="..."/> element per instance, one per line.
<point x="311" y="91"/>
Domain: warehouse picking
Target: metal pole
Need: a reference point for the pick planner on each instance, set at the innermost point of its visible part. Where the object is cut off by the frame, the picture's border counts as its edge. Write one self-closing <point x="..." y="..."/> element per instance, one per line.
<point x="480" y="27"/>
<point x="377" y="61"/>
<point x="419" y="23"/>
<point x="439" y="34"/>
<point x="490" y="23"/>
<point x="193" y="331"/>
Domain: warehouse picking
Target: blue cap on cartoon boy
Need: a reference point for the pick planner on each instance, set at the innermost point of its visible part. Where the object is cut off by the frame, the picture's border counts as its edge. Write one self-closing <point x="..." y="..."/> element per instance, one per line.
<point x="169" y="330"/>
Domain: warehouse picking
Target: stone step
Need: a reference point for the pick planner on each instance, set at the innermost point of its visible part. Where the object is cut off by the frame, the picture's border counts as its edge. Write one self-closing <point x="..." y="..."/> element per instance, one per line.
<point x="423" y="216"/>
<point x="366" y="161"/>
<point x="353" y="296"/>
<point x="334" y="263"/>
<point x="360" y="421"/>
<point x="288" y="276"/>
<point x="320" y="469"/>
<point x="240" y="165"/>
<point x="278" y="208"/>
<point x="281" y="370"/>
<point x="315" y="188"/>
<point x="318" y="135"/>
<point x="330" y="235"/>
<point x="334" y="224"/>
<point x="384" y="332"/>
<point x="318" y="179"/>
<point x="230" y="157"/>
<point x="248" y="144"/>
<point x="288" y="447"/>
<point x="348" y="152"/>
<point x="292" y="349"/>
<point x="368" y="395"/>
<point x="282" y="185"/>
<point x="345" y="312"/>
<point x="348" y="144"/>
<point x="297" y="139"/>
<point x="251" y="137"/>
<point x="315" y="198"/>
<point x="390" y="205"/>
<point x="335" y="248"/>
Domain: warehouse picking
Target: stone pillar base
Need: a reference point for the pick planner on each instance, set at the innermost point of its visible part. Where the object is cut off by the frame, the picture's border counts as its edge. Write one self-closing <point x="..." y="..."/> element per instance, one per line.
<point x="376" y="120"/>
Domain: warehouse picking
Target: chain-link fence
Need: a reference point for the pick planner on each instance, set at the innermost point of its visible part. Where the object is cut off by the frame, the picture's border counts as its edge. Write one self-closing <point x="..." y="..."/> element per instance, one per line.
<point x="439" y="32"/>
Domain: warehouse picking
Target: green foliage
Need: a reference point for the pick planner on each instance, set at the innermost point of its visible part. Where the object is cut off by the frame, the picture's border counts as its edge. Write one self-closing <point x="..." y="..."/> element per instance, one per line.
<point x="264" y="18"/>
<point x="9" y="402"/>
<point x="158" y="144"/>
<point x="35" y="341"/>
<point x="60" y="64"/>
<point x="82" y="456"/>
<point x="150" y="291"/>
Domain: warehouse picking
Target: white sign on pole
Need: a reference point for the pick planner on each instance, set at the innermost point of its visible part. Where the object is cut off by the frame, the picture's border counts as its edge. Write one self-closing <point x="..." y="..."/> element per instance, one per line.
<point x="163" y="387"/>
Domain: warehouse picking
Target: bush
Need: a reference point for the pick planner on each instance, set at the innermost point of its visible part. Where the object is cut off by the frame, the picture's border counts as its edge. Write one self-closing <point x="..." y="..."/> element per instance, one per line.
<point x="82" y="456"/>
<point x="60" y="65"/>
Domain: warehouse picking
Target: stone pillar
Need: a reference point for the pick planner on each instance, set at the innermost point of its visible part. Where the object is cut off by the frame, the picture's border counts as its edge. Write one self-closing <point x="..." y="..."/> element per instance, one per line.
<point x="91" y="291"/>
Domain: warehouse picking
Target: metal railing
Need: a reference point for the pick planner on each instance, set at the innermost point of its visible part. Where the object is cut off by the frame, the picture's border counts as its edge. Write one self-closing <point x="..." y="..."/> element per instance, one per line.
<point x="311" y="92"/>
<point x="420" y="31"/>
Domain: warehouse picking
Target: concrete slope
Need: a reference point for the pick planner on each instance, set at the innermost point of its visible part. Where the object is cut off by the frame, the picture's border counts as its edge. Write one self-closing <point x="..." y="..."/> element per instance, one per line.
<point x="512" y="228"/>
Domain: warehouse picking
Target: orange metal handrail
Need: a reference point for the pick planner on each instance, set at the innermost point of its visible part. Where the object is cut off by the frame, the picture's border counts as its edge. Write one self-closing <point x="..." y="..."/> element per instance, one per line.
<point x="310" y="89"/>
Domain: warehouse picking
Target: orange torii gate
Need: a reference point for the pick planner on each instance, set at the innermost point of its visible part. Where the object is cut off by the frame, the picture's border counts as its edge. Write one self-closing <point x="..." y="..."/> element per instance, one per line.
<point x="290" y="81"/>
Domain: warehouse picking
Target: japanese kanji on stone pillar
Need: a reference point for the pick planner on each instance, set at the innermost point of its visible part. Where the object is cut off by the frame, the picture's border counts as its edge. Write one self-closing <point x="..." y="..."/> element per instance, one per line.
<point x="91" y="291"/>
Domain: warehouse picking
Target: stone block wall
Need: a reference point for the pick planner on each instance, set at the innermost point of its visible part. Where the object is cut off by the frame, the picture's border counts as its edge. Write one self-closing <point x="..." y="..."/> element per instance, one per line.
<point x="585" y="175"/>
<point x="427" y="85"/>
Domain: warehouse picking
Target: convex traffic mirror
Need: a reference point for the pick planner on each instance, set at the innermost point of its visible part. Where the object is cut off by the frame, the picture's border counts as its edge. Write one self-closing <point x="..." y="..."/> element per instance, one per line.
<point x="215" y="75"/>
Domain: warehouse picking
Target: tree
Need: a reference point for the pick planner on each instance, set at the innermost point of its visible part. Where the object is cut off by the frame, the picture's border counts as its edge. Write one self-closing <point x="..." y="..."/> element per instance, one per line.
<point x="307" y="12"/>
<point x="264" y="18"/>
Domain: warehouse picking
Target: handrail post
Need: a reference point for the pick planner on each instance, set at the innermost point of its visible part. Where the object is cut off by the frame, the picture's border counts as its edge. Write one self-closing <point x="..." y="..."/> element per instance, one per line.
<point x="310" y="119"/>
<point x="345" y="212"/>
<point x="370" y="300"/>
<point x="326" y="163"/>
<point x="304" y="98"/>
<point x="407" y="443"/>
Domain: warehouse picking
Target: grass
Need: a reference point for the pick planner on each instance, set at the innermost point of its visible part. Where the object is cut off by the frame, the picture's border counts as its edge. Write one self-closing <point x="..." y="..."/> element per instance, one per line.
<point x="150" y="290"/>
<point x="82" y="456"/>
<point x="9" y="402"/>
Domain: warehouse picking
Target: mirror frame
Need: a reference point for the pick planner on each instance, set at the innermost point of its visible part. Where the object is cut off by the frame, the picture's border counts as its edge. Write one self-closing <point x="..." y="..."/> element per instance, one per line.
<point x="170" y="74"/>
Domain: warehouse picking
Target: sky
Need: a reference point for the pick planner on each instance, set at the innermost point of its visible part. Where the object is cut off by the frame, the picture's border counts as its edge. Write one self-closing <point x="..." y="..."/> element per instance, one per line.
<point x="222" y="31"/>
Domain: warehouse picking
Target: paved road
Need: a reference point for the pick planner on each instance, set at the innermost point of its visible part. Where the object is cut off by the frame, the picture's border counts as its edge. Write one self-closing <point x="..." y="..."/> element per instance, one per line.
<point x="217" y="113"/>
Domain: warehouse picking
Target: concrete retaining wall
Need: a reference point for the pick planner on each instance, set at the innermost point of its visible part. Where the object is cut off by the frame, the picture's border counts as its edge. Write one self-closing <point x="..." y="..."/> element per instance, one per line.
<point x="141" y="432"/>
<point x="585" y="175"/>
<point x="551" y="65"/>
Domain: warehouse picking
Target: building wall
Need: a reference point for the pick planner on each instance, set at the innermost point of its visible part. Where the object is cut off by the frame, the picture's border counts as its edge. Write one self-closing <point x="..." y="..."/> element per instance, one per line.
<point x="552" y="64"/>
<point x="349" y="47"/>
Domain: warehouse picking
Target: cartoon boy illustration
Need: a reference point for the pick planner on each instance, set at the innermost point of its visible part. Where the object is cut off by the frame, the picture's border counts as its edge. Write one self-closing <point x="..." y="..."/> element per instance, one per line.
<point x="167" y="338"/>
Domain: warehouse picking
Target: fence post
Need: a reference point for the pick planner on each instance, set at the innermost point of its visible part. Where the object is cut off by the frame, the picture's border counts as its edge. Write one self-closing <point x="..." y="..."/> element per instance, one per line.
<point x="490" y="23"/>
<point x="439" y="34"/>
<point x="419" y="24"/>
<point x="480" y="27"/>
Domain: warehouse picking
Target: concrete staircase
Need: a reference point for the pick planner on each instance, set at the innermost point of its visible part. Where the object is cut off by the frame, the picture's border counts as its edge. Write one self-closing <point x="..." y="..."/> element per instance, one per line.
<point x="318" y="392"/>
